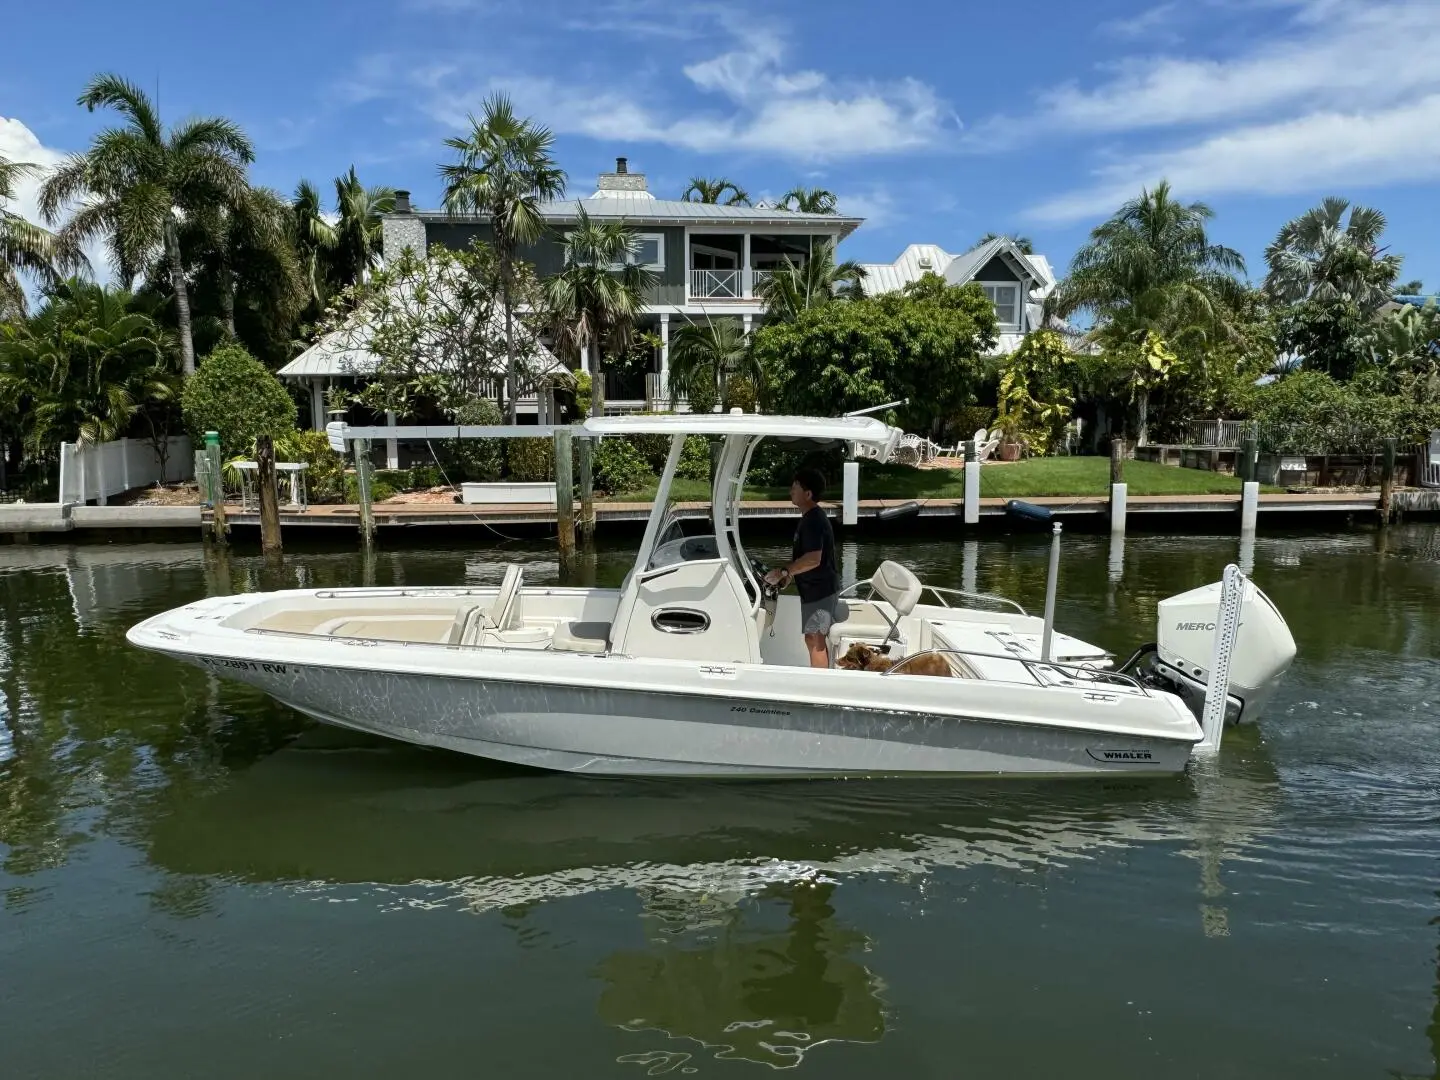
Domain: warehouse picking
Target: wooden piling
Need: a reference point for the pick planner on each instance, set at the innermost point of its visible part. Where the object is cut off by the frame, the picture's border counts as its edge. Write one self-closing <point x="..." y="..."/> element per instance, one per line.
<point x="1387" y="481"/>
<point x="564" y="496"/>
<point x="362" y="485"/>
<point x="586" y="448"/>
<point x="1117" y="461"/>
<point x="269" y="495"/>
<point x="219" y="527"/>
<point x="1245" y="465"/>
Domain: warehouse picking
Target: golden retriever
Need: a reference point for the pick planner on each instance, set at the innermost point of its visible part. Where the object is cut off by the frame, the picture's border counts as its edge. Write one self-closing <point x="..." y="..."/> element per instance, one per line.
<point x="861" y="657"/>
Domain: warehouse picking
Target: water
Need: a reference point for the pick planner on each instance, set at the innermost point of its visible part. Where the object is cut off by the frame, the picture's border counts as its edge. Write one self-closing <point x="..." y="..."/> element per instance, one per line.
<point x="197" y="881"/>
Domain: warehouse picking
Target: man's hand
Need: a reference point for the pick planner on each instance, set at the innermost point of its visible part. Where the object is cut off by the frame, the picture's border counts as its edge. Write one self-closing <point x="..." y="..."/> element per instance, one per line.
<point x="777" y="576"/>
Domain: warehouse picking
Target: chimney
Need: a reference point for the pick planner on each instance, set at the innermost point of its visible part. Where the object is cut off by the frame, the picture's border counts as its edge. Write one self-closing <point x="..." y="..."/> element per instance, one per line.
<point x="622" y="183"/>
<point x="402" y="203"/>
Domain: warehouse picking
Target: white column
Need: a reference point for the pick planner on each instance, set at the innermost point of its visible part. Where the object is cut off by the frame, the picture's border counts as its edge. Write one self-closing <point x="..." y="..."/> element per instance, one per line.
<point x="1249" y="506"/>
<point x="746" y="284"/>
<point x="972" y="493"/>
<point x="585" y="359"/>
<point x="1117" y="507"/>
<point x="317" y="405"/>
<point x="747" y="319"/>
<point x="850" y="503"/>
<point x="665" y="360"/>
<point x="392" y="446"/>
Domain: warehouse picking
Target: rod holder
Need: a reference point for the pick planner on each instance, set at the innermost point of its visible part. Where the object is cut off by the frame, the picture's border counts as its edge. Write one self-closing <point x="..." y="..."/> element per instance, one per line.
<point x="1052" y="585"/>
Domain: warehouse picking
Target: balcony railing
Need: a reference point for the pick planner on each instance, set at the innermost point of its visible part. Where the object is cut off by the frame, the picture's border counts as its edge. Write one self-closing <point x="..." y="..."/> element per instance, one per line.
<point x="727" y="284"/>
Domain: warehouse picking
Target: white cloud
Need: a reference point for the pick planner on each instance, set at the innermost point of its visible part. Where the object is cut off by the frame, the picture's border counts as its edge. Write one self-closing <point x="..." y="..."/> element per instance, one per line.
<point x="19" y="143"/>
<point x="1359" y="55"/>
<point x="876" y="205"/>
<point x="1150" y="23"/>
<point x="1316" y="150"/>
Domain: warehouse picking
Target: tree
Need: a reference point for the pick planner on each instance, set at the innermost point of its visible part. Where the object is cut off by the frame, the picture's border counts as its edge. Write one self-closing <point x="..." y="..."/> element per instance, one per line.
<point x="83" y="367"/>
<point x="137" y="184"/>
<point x="1332" y="335"/>
<point x="715" y="190"/>
<point x="436" y="328"/>
<point x="1022" y="243"/>
<point x="925" y="343"/>
<point x="595" y="299"/>
<point x="26" y="247"/>
<point x="791" y="289"/>
<point x="1322" y="256"/>
<point x="1154" y="283"/>
<point x="355" y="250"/>
<point x="314" y="239"/>
<point x="234" y="394"/>
<point x="704" y="355"/>
<point x="1036" y="391"/>
<point x="504" y="172"/>
<point x="803" y="200"/>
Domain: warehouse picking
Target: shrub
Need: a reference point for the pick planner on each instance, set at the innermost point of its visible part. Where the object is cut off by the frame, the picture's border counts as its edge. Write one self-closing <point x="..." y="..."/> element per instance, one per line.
<point x="380" y="490"/>
<point x="583" y="393"/>
<point x="695" y="459"/>
<point x="324" y="477"/>
<point x="1311" y="413"/>
<point x="620" y="467"/>
<point x="426" y="476"/>
<point x="233" y="393"/>
<point x="478" y="460"/>
<point x="703" y="397"/>
<point x="971" y="419"/>
<point x="530" y="460"/>
<point x="740" y="393"/>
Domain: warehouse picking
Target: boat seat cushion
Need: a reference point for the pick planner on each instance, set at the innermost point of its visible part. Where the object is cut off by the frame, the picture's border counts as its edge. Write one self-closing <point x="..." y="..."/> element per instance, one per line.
<point x="466" y="623"/>
<point x="587" y="637"/>
<point x="898" y="585"/>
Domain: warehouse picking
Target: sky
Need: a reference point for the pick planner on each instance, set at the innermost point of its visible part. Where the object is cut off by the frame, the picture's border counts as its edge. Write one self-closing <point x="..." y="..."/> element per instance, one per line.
<point x="936" y="121"/>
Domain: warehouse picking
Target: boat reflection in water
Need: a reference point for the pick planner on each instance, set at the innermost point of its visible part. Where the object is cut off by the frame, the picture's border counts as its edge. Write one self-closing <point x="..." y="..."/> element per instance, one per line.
<point x="745" y="956"/>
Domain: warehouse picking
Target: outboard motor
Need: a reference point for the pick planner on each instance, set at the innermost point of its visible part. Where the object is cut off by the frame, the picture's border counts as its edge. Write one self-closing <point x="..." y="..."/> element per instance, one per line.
<point x="1185" y="646"/>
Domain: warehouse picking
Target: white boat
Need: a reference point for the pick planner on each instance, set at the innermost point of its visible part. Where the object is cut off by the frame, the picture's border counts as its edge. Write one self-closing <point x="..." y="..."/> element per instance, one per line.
<point x="693" y="668"/>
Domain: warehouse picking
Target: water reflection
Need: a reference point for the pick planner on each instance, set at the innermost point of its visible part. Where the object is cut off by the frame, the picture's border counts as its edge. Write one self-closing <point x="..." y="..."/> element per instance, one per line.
<point x="738" y="988"/>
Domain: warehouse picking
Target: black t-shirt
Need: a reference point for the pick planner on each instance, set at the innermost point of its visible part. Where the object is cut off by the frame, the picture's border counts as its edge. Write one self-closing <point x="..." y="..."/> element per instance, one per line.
<point x="814" y="534"/>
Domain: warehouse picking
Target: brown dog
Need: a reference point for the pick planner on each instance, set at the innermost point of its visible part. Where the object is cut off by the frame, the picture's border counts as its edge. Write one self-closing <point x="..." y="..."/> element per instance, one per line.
<point x="925" y="664"/>
<point x="865" y="658"/>
<point x="862" y="658"/>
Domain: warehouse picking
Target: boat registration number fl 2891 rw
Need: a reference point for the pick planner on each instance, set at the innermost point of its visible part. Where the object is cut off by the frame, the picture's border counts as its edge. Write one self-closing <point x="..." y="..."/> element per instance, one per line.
<point x="242" y="665"/>
<point x="1121" y="757"/>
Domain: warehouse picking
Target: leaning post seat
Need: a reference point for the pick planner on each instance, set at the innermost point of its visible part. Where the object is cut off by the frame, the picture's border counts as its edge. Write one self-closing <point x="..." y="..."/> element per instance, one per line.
<point x="586" y="637"/>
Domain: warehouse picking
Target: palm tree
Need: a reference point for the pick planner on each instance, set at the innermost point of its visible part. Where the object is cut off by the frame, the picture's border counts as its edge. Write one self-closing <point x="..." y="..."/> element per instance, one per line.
<point x="793" y="288"/>
<point x="714" y="190"/>
<point x="1322" y="256"/>
<point x="704" y="355"/>
<point x="504" y="172"/>
<point x="249" y="242"/>
<point x="26" y="247"/>
<point x="1150" y="276"/>
<point x="805" y="200"/>
<point x="1022" y="244"/>
<point x="136" y="184"/>
<point x="84" y="365"/>
<point x="314" y="238"/>
<point x="595" y="299"/>
<point x="356" y="250"/>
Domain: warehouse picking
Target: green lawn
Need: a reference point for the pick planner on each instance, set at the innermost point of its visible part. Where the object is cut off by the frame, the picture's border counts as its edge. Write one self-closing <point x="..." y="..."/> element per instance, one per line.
<point x="1062" y="476"/>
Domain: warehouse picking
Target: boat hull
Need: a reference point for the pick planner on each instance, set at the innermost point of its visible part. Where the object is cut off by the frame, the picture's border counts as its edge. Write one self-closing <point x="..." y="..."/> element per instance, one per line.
<point x="619" y="731"/>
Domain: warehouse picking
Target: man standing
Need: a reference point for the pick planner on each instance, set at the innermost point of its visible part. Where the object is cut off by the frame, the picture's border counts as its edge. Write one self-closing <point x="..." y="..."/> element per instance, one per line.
<point x="812" y="568"/>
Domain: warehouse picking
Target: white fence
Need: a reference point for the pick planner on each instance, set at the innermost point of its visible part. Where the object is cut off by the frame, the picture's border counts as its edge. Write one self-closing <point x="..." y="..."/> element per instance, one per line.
<point x="1427" y="462"/>
<point x="97" y="471"/>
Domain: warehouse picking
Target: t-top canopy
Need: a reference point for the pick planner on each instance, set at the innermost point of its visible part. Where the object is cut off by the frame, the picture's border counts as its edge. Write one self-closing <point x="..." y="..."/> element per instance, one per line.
<point x="857" y="429"/>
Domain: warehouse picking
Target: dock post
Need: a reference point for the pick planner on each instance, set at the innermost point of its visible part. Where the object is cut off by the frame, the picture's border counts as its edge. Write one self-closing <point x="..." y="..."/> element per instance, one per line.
<point x="1387" y="481"/>
<point x="1117" y="461"/>
<point x="850" y="498"/>
<point x="972" y="484"/>
<point x="269" y="496"/>
<point x="1245" y="463"/>
<point x="1052" y="586"/>
<point x="219" y="529"/>
<point x="1118" y="494"/>
<point x="1249" y="505"/>
<point x="586" y="448"/>
<point x="564" y="497"/>
<point x="362" y="488"/>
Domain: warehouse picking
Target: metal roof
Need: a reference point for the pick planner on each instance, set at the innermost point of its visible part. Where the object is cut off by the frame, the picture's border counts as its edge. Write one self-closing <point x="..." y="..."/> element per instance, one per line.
<point x="648" y="210"/>
<point x="919" y="259"/>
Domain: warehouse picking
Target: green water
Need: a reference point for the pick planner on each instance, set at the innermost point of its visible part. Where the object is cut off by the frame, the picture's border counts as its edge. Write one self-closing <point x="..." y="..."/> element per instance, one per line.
<point x="195" y="881"/>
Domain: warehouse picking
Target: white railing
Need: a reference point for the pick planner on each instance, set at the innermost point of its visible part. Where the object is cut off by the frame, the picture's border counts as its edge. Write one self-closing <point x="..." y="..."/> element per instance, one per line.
<point x="717" y="284"/>
<point x="99" y="470"/>
<point x="1220" y="434"/>
<point x="758" y="278"/>
<point x="1427" y="463"/>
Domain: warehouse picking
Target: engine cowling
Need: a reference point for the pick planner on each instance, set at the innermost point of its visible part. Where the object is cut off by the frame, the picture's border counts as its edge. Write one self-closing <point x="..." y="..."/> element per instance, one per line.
<point x="1185" y="644"/>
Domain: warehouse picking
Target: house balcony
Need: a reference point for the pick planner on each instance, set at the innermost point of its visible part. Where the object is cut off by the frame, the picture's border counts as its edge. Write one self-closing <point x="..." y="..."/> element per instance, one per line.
<point x="733" y="285"/>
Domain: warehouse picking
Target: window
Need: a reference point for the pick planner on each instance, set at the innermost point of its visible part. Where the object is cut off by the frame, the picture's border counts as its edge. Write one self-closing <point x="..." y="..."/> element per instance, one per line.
<point x="649" y="251"/>
<point x="1006" y="299"/>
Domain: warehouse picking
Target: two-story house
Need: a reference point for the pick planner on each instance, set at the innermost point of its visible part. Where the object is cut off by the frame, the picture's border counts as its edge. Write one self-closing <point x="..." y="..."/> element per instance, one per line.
<point x="1016" y="283"/>
<point x="708" y="259"/>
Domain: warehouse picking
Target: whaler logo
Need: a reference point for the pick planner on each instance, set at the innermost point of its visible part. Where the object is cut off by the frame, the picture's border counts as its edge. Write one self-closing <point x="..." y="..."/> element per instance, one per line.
<point x="1139" y="756"/>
